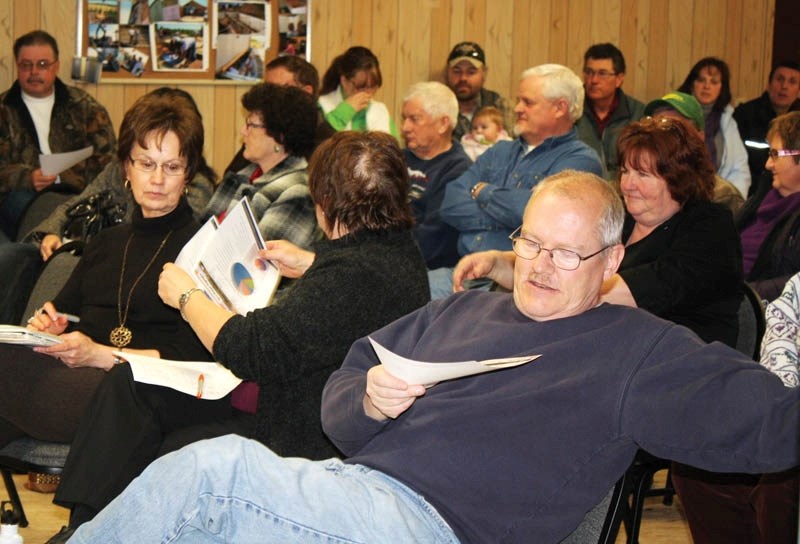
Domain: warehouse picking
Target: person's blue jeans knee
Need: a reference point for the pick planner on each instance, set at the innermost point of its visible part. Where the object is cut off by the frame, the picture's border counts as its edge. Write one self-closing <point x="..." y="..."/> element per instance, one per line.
<point x="441" y="282"/>
<point x="231" y="489"/>
<point x="11" y="209"/>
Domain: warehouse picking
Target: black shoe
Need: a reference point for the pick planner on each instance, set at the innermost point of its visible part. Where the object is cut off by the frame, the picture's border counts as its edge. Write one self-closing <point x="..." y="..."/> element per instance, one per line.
<point x="62" y="536"/>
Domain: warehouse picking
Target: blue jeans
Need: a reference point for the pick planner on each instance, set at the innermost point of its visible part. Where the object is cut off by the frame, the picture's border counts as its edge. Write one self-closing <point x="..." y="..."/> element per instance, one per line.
<point x="441" y="283"/>
<point x="232" y="489"/>
<point x="11" y="209"/>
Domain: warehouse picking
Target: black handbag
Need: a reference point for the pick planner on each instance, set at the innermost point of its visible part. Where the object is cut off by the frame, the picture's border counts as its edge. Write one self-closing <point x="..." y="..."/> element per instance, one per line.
<point x="91" y="215"/>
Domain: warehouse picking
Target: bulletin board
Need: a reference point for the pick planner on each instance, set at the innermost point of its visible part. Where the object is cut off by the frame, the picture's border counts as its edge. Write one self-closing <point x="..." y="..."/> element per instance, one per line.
<point x="204" y="40"/>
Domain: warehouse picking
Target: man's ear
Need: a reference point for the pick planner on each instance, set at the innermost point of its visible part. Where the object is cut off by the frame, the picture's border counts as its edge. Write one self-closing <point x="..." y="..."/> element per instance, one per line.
<point x="443" y="125"/>
<point x="561" y="106"/>
<point x="614" y="256"/>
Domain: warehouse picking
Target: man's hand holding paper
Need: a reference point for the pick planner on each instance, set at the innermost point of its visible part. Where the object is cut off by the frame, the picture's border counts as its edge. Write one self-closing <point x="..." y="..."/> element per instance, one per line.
<point x="429" y="374"/>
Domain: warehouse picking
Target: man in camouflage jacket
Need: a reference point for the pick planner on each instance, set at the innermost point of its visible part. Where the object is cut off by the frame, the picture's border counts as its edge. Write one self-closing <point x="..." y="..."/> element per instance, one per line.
<point x="76" y="120"/>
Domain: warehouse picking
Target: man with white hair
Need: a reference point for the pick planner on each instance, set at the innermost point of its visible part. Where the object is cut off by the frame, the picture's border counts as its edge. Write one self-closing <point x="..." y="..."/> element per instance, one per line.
<point x="486" y="203"/>
<point x="434" y="159"/>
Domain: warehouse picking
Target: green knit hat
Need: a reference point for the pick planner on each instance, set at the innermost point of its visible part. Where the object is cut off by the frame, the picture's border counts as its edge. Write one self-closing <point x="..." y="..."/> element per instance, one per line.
<point x="683" y="103"/>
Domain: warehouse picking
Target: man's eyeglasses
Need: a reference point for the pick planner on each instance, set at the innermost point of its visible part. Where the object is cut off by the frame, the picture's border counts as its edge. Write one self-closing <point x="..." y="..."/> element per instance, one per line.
<point x="168" y="168"/>
<point x="564" y="259"/>
<point x="775" y="153"/>
<point x="27" y="66"/>
<point x="602" y="74"/>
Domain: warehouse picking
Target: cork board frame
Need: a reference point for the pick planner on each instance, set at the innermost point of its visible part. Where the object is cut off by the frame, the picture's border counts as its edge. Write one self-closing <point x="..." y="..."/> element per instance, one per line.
<point x="146" y="41"/>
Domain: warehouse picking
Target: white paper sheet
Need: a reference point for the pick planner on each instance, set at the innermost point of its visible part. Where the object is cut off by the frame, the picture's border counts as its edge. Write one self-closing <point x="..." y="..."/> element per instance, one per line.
<point x="429" y="374"/>
<point x="58" y="162"/>
<point x="210" y="381"/>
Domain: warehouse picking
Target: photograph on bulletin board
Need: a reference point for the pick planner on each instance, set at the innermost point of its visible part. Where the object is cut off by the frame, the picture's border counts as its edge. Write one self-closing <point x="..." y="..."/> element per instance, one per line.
<point x="241" y="39"/>
<point x="178" y="39"/>
<point x="179" y="46"/>
<point x="293" y="28"/>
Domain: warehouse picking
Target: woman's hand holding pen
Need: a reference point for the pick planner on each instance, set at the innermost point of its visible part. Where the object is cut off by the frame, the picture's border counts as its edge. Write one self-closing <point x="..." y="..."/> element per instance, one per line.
<point x="47" y="319"/>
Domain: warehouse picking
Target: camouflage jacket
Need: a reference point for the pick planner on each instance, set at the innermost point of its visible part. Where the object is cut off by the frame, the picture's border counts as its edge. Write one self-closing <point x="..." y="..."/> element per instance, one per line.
<point x="77" y="121"/>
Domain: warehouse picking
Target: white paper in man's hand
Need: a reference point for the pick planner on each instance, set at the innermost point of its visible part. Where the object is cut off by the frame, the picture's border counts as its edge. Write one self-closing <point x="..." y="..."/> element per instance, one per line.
<point x="429" y="374"/>
<point x="210" y="381"/>
<point x="56" y="163"/>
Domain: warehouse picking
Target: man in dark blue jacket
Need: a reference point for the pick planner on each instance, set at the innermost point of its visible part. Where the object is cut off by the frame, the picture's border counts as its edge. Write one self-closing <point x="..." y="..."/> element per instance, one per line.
<point x="508" y="455"/>
<point x="434" y="159"/>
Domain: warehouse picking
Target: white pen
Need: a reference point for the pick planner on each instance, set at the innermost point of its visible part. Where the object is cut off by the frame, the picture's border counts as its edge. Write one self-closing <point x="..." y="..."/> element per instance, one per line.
<point x="69" y="317"/>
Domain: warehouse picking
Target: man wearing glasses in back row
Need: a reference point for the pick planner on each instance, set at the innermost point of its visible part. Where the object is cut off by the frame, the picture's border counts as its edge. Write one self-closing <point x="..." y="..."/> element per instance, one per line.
<point x="39" y="114"/>
<point x="606" y="110"/>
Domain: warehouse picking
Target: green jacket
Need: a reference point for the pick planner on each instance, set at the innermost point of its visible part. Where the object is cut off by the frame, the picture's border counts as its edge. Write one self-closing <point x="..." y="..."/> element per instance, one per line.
<point x="77" y="121"/>
<point x="628" y="111"/>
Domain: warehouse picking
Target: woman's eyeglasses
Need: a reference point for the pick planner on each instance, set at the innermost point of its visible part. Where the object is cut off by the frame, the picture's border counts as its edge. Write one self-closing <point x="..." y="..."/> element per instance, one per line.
<point x="168" y="168"/>
<point x="251" y="126"/>
<point x="775" y="153"/>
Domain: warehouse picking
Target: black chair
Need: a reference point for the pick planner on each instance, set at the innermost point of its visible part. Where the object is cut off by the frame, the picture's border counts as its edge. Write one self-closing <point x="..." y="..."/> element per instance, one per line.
<point x="39" y="209"/>
<point x="639" y="477"/>
<point x="752" y="323"/>
<point x="638" y="486"/>
<point x="601" y="523"/>
<point x="27" y="454"/>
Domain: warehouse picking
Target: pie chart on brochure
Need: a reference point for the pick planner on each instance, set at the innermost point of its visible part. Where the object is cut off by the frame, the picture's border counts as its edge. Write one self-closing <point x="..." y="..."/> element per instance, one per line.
<point x="242" y="279"/>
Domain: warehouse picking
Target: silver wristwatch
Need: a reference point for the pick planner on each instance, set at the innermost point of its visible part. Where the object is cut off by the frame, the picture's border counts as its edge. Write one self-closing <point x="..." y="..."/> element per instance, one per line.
<point x="183" y="300"/>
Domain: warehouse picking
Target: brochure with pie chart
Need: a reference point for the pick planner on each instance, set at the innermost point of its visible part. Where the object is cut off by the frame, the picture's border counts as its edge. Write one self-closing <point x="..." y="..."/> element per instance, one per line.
<point x="242" y="279"/>
<point x="223" y="257"/>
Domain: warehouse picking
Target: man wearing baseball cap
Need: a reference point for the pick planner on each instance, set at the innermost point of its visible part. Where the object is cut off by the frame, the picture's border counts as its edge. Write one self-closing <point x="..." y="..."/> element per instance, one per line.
<point x="466" y="74"/>
<point x="684" y="106"/>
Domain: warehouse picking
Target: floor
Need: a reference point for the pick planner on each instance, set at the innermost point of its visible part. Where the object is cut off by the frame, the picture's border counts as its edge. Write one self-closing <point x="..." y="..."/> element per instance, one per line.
<point x="661" y="524"/>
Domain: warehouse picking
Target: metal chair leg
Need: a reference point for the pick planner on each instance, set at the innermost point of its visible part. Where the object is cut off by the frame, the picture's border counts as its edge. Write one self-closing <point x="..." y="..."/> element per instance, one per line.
<point x="14" y="496"/>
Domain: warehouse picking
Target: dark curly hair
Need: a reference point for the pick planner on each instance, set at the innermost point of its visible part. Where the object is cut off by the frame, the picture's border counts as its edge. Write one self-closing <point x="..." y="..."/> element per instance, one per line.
<point x="721" y="66"/>
<point x="676" y="151"/>
<point x="360" y="181"/>
<point x="289" y="114"/>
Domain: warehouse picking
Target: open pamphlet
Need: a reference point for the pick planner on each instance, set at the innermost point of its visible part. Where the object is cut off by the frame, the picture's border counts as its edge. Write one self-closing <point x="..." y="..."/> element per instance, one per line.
<point x="13" y="334"/>
<point x="223" y="259"/>
<point x="210" y="381"/>
<point x="429" y="374"/>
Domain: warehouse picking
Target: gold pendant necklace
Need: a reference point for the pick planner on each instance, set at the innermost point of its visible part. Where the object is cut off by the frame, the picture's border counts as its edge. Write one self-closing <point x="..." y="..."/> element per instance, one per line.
<point x="121" y="336"/>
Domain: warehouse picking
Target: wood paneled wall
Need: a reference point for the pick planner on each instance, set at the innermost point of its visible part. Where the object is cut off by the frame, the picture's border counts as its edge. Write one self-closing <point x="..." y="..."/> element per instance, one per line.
<point x="661" y="39"/>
